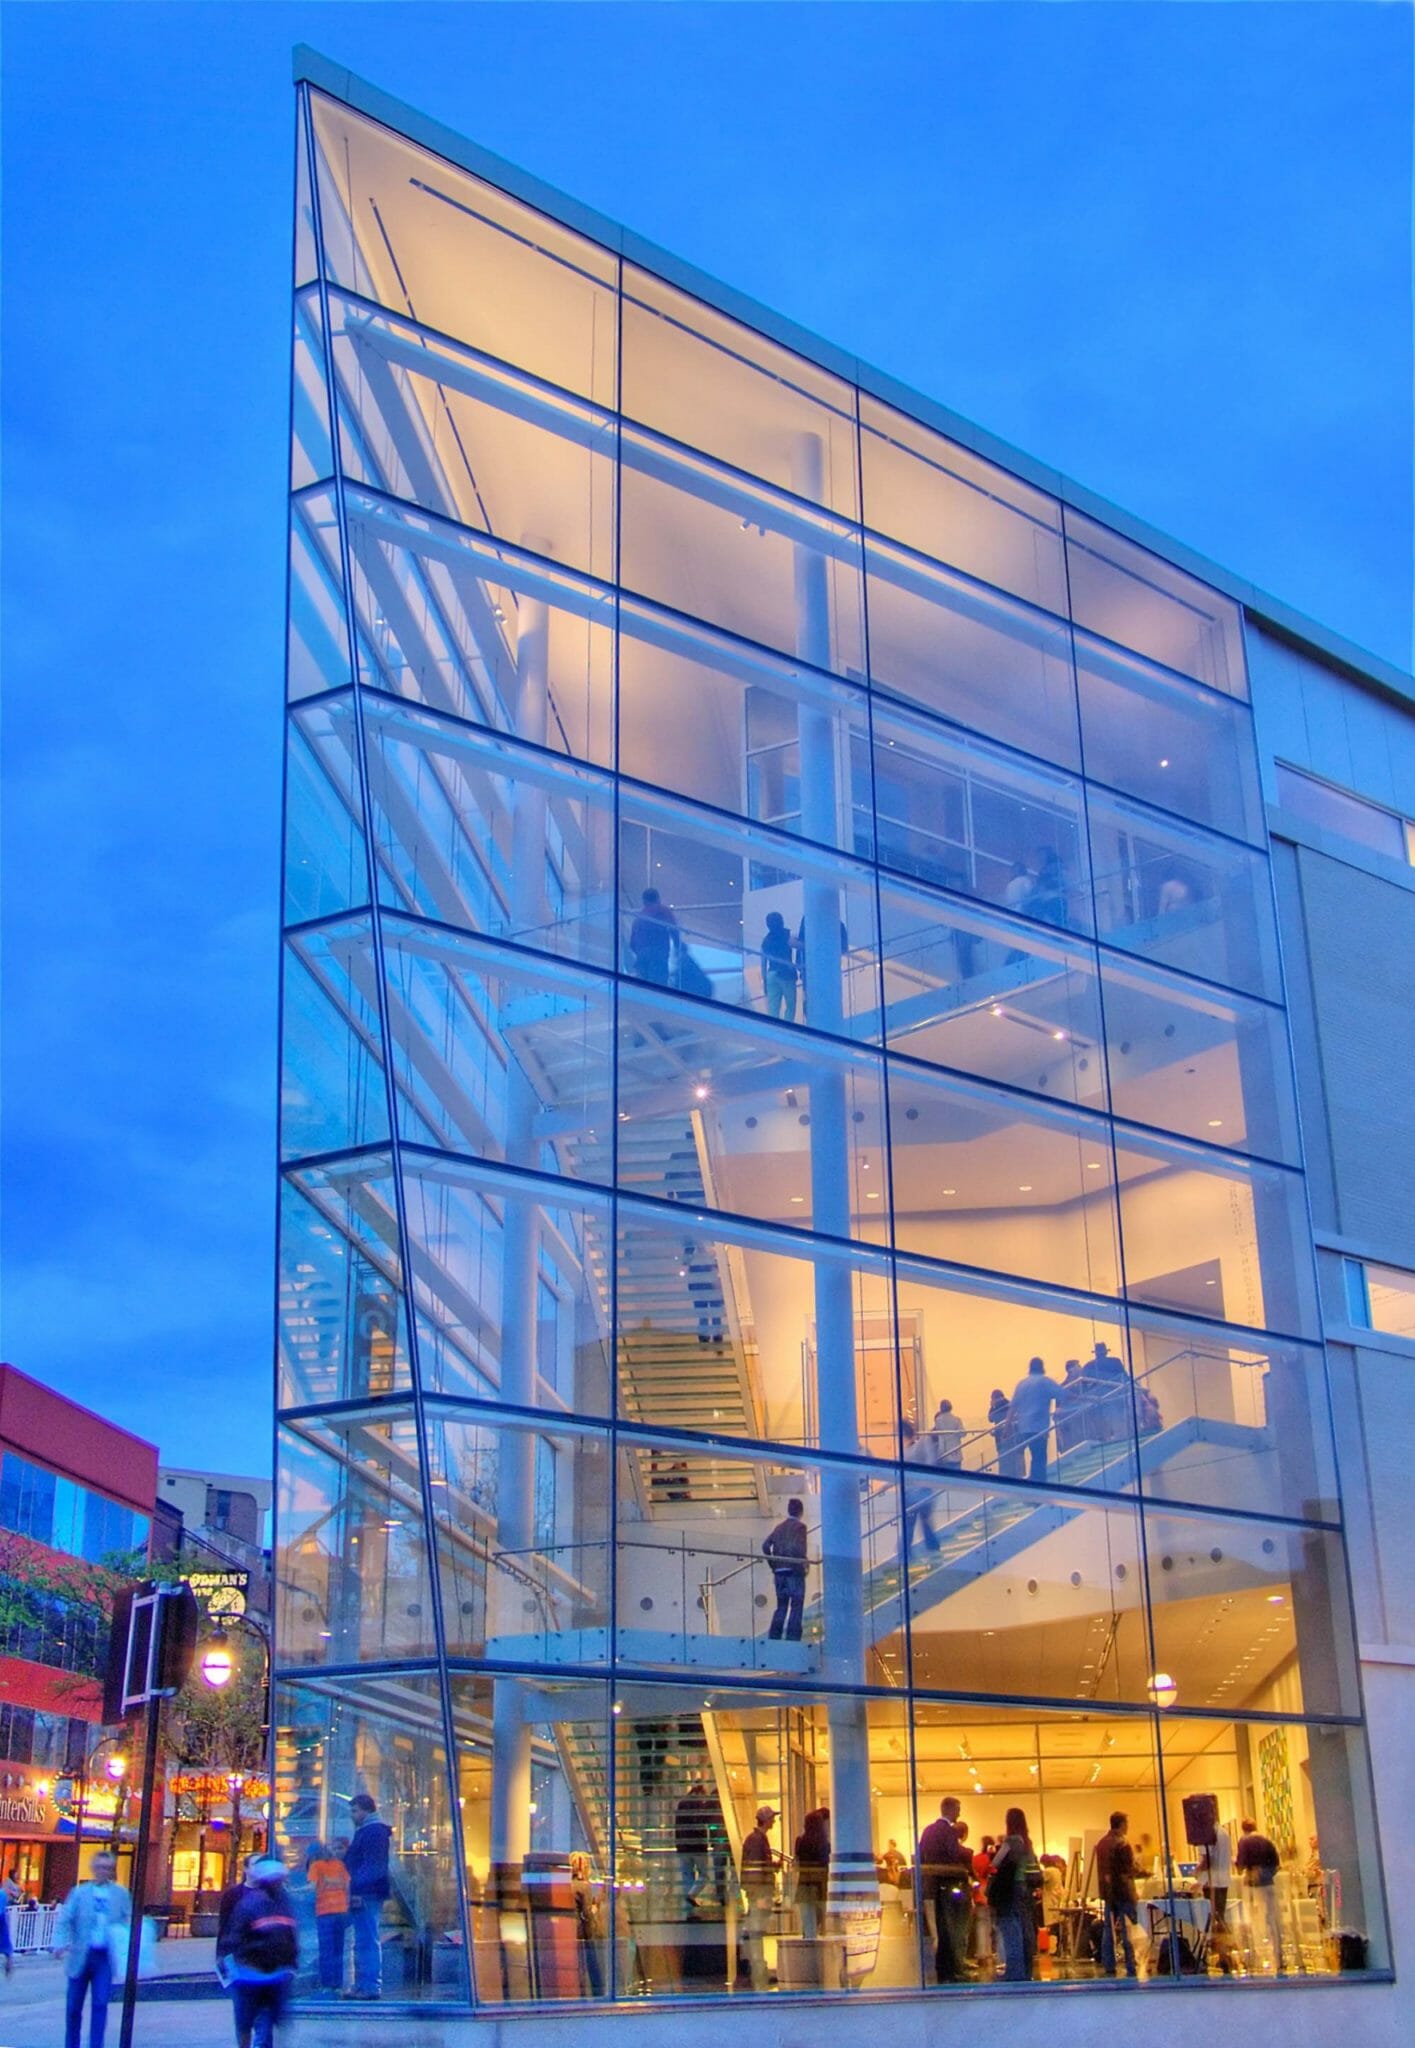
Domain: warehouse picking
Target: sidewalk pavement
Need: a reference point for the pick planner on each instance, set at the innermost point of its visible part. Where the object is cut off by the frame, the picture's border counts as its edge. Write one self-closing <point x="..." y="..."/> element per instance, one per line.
<point x="32" y="2011"/>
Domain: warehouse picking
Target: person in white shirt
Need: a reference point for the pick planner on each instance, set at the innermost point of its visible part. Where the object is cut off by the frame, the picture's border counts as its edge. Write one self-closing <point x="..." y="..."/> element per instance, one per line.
<point x="1216" y="1875"/>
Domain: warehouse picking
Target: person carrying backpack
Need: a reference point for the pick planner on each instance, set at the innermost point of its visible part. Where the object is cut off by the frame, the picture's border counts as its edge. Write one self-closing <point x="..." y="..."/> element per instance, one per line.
<point x="262" y="1952"/>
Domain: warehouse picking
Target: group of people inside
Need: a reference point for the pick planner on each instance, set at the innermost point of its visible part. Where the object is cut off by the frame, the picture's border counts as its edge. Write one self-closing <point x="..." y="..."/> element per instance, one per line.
<point x="986" y="1902"/>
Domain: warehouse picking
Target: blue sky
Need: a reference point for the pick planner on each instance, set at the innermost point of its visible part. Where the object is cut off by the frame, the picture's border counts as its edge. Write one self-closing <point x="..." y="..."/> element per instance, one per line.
<point x="1165" y="248"/>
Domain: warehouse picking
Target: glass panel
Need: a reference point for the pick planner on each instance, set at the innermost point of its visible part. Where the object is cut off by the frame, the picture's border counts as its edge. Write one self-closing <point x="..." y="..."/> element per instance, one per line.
<point x="352" y="1562"/>
<point x="1202" y="906"/>
<point x="992" y="1180"/>
<point x="522" y="1517"/>
<point x="382" y="1738"/>
<point x="1291" y="1812"/>
<point x="789" y="1901"/>
<point x="720" y="911"/>
<point x="343" y="1332"/>
<point x="1022" y="1591"/>
<point x="306" y="259"/>
<point x="1190" y="1060"/>
<point x="1390" y="1299"/>
<point x="408" y="229"/>
<point x="733" y="1332"/>
<point x="970" y="655"/>
<point x="737" y="1562"/>
<point x="1227" y="1420"/>
<point x="317" y="648"/>
<point x="533" y="1781"/>
<point x="511" y="1282"/>
<point x="496" y="838"/>
<point x="947" y="502"/>
<point x="712" y="384"/>
<point x="502" y="1056"/>
<point x="311" y="448"/>
<point x="1157" y="737"/>
<point x="1250" y="1615"/>
<point x="715" y="719"/>
<point x="740" y="555"/>
<point x="1348" y="817"/>
<point x="1066" y="1774"/>
<point x="960" y="815"/>
<point x="326" y="861"/>
<point x="472" y="441"/>
<point x="1215" y="1235"/>
<point x="332" y="1090"/>
<point x="720" y="1112"/>
<point x="991" y="996"/>
<point x="481" y="631"/>
<point x="968" y="1342"/>
<point x="1126" y="594"/>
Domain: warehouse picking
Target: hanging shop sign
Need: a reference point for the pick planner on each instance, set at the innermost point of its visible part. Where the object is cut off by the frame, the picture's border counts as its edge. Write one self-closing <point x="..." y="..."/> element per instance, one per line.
<point x="222" y="1592"/>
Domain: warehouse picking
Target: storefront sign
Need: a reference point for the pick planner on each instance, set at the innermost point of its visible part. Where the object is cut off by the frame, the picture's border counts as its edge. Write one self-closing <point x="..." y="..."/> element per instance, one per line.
<point x="217" y="1785"/>
<point x="26" y="1802"/>
<point x="224" y="1592"/>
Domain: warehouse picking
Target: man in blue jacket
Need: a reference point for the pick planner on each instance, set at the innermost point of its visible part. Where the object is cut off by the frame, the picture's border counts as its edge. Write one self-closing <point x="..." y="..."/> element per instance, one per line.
<point x="367" y="1861"/>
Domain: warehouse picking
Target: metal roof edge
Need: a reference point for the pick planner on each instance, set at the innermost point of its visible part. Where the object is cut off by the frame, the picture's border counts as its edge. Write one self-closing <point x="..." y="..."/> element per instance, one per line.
<point x="310" y="67"/>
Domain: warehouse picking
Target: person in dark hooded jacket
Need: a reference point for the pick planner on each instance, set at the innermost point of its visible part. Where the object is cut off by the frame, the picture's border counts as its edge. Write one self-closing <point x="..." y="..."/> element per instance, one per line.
<point x="262" y="1952"/>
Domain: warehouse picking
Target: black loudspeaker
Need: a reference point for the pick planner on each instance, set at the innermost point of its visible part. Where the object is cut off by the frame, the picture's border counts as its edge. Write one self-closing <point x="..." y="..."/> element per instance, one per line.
<point x="1201" y="1820"/>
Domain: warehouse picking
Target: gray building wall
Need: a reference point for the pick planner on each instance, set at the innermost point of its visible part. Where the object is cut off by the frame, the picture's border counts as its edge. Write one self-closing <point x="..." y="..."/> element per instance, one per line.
<point x="1347" y="917"/>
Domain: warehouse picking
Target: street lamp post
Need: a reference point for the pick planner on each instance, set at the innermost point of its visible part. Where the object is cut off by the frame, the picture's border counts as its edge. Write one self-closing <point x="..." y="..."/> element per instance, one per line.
<point x="216" y="1661"/>
<point x="236" y="1780"/>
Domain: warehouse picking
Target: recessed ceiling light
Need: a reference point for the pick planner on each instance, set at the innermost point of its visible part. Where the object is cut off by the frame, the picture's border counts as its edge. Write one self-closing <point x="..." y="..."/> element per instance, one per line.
<point x="1060" y="1036"/>
<point x="1215" y="1123"/>
<point x="872" y="1195"/>
<point x="701" y="1092"/>
<point x="1164" y="764"/>
<point x="798" y="1198"/>
<point x="1093" y="1166"/>
<point x="1025" y="1188"/>
<point x="950" y="1191"/>
<point x="996" y="1009"/>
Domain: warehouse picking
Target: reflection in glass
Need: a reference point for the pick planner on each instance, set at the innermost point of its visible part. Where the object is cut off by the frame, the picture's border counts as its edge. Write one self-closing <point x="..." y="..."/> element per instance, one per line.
<point x="382" y="1737"/>
<point x="333" y="1094"/>
<point x="352" y="1568"/>
<point x="326" y="860"/>
<point x="343" y="1328"/>
<point x="317" y="642"/>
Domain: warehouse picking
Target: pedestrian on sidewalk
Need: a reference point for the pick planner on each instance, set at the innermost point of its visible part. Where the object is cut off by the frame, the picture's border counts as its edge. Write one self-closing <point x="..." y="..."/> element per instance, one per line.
<point x="263" y="1953"/>
<point x="91" y="1922"/>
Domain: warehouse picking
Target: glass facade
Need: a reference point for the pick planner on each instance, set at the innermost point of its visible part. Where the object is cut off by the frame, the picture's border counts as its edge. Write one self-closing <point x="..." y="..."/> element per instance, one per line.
<point x="796" y="1289"/>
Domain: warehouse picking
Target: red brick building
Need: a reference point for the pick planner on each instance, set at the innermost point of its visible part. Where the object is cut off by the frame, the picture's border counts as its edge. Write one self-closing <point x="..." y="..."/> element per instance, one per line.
<point x="75" y="1491"/>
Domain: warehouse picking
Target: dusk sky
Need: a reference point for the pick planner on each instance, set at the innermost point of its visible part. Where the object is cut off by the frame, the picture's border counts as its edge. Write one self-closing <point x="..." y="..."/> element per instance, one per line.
<point x="1163" y="248"/>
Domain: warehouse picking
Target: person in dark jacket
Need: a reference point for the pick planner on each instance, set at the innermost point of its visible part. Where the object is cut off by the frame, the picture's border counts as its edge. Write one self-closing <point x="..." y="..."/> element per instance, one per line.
<point x="366" y="1860"/>
<point x="786" y="1547"/>
<point x="654" y="939"/>
<point x="813" y="1870"/>
<point x="261" y="1952"/>
<point x="1115" y="1881"/>
<point x="778" y="968"/>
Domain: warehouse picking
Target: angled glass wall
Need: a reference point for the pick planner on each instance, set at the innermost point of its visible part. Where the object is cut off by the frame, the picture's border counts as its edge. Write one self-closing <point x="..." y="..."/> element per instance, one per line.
<point x="796" y="1302"/>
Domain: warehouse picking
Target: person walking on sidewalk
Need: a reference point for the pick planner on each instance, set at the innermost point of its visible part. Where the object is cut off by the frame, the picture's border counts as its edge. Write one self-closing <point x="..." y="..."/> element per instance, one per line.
<point x="93" y="1914"/>
<point x="262" y="1952"/>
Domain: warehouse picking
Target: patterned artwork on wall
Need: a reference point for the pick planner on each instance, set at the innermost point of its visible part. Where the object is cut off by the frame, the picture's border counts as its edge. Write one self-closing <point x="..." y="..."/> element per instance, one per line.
<point x="1278" y="1823"/>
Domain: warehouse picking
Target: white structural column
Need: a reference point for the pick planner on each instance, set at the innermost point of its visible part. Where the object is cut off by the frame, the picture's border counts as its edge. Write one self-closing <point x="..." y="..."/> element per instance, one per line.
<point x="511" y="1736"/>
<point x="852" y="1880"/>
